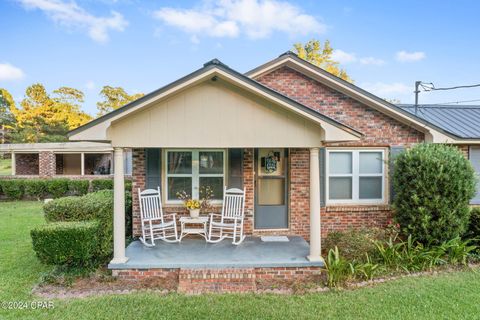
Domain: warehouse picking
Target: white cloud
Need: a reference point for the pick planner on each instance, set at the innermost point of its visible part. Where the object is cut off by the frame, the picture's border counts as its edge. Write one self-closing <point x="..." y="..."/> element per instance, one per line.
<point x="90" y="85"/>
<point x="69" y="14"/>
<point x="405" y="56"/>
<point x="388" y="90"/>
<point x="10" y="72"/>
<point x="343" y="57"/>
<point x="231" y="18"/>
<point x="372" y="61"/>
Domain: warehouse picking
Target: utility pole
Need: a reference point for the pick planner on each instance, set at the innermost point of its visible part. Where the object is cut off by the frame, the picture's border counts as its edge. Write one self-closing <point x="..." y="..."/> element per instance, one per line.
<point x="417" y="84"/>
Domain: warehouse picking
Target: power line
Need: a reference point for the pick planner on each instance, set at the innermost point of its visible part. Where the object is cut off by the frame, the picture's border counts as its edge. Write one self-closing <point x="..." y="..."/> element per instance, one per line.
<point x="433" y="88"/>
<point x="451" y="102"/>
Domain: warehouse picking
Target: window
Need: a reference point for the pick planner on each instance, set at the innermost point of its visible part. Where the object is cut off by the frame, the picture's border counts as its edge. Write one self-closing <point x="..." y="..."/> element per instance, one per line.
<point x="355" y="176"/>
<point x="192" y="170"/>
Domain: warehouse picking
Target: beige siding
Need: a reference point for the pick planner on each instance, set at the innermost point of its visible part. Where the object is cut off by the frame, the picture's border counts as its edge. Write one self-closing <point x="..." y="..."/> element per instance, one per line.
<point x="215" y="114"/>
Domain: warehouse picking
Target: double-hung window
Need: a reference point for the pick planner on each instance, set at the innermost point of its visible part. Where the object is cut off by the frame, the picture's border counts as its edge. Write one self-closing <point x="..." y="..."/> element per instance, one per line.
<point x="355" y="176"/>
<point x="193" y="170"/>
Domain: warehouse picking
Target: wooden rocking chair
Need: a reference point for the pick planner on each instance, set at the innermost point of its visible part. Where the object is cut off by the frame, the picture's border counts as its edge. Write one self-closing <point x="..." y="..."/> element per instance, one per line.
<point x="154" y="225"/>
<point x="230" y="224"/>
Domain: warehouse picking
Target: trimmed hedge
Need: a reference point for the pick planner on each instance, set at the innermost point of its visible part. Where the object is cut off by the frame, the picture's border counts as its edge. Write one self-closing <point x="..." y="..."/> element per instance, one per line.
<point x="35" y="188"/>
<point x="39" y="188"/>
<point x="78" y="187"/>
<point x="72" y="244"/>
<point x="96" y="205"/>
<point x="433" y="184"/>
<point x="102" y="184"/>
<point x="13" y="189"/>
<point x="57" y="187"/>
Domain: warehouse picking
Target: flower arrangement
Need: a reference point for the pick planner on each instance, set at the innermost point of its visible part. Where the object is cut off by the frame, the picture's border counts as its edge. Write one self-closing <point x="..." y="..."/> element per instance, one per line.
<point x="194" y="205"/>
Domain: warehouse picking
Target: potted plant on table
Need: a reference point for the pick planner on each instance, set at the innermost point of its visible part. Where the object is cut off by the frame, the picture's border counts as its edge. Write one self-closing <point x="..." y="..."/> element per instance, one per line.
<point x="193" y="205"/>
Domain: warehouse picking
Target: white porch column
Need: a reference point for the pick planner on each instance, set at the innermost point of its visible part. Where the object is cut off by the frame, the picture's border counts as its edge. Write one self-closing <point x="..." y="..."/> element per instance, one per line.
<point x="82" y="164"/>
<point x="315" y="230"/>
<point x="14" y="163"/>
<point x="118" y="209"/>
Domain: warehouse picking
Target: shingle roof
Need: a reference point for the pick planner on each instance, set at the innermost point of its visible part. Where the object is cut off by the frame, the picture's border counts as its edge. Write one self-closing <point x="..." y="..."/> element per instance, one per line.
<point x="460" y="120"/>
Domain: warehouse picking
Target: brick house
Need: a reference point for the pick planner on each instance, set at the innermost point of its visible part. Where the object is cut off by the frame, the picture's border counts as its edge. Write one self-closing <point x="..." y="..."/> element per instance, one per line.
<point x="331" y="142"/>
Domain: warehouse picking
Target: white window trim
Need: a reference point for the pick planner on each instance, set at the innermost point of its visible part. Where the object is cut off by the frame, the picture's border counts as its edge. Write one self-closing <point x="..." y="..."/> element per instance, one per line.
<point x="195" y="175"/>
<point x="355" y="178"/>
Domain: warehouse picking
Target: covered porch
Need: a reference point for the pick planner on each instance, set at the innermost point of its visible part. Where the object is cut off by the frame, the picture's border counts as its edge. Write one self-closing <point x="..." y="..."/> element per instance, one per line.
<point x="195" y="253"/>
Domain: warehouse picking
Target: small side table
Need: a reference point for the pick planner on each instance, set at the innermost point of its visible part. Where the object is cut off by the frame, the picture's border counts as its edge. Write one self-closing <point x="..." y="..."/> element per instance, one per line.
<point x="185" y="229"/>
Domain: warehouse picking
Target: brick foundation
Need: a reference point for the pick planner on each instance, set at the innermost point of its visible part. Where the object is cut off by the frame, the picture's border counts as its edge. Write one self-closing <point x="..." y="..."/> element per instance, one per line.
<point x="232" y="280"/>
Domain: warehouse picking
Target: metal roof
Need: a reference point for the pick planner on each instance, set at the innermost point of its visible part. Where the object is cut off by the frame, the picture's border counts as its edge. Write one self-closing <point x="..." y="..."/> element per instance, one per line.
<point x="460" y="120"/>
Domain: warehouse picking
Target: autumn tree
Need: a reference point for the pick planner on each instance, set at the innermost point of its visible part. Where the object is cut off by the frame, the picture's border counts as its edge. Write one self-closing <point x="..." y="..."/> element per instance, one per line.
<point x="321" y="56"/>
<point x="114" y="98"/>
<point x="42" y="117"/>
<point x="6" y="117"/>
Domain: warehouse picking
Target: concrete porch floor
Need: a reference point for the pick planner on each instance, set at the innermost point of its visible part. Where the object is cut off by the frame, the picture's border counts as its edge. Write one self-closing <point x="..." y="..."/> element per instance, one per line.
<point x="195" y="253"/>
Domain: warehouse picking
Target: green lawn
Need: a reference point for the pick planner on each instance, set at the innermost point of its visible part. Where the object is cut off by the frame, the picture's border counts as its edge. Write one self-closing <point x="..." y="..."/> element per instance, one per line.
<point x="447" y="296"/>
<point x="5" y="167"/>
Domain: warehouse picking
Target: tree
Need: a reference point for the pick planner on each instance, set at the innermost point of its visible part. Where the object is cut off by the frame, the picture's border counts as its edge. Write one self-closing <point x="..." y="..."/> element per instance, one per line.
<point x="314" y="53"/>
<point x="114" y="98"/>
<point x="6" y="117"/>
<point x="45" y="118"/>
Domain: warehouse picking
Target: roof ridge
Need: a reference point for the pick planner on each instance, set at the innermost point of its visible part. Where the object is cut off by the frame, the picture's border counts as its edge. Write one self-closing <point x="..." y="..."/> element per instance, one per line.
<point x="440" y="106"/>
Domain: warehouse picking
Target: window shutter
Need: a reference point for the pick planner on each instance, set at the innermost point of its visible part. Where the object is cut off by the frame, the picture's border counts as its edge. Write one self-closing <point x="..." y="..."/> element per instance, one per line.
<point x="323" y="175"/>
<point x="152" y="168"/>
<point x="394" y="152"/>
<point x="235" y="168"/>
<point x="474" y="156"/>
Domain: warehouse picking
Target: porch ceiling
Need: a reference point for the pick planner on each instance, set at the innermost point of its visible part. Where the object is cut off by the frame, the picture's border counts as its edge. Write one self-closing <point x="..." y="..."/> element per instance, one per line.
<point x="197" y="254"/>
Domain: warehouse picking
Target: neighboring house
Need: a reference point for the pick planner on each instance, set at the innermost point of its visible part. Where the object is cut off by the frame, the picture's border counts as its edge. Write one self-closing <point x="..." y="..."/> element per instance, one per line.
<point x="65" y="159"/>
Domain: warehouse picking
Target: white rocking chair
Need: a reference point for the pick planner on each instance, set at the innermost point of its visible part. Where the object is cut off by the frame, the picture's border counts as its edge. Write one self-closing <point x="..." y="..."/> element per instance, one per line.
<point x="231" y="219"/>
<point x="154" y="226"/>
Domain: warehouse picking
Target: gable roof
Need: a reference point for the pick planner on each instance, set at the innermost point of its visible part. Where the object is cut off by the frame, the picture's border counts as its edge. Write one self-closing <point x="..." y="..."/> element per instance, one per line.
<point x="433" y="132"/>
<point x="460" y="120"/>
<point x="212" y="69"/>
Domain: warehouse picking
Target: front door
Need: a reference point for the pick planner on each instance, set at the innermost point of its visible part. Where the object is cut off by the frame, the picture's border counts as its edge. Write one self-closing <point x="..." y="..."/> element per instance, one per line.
<point x="271" y="209"/>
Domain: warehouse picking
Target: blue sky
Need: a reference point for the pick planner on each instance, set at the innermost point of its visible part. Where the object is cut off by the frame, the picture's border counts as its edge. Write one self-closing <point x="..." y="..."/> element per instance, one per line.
<point x="142" y="45"/>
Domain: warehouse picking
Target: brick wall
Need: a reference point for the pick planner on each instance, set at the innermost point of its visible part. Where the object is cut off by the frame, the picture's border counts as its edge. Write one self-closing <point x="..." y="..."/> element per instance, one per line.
<point x="26" y="163"/>
<point x="138" y="181"/>
<point x="248" y="184"/>
<point x="379" y="129"/>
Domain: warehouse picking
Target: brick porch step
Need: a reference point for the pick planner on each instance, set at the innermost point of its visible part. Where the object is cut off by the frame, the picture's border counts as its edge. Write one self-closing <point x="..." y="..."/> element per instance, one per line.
<point x="195" y="281"/>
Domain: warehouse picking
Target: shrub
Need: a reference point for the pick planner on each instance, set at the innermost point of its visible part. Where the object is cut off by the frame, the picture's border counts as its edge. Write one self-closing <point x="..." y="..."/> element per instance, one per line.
<point x="13" y="188"/>
<point x="102" y="184"/>
<point x="71" y="244"/>
<point x="128" y="185"/>
<point x="78" y="187"/>
<point x="473" y="230"/>
<point x="35" y="188"/>
<point x="66" y="209"/>
<point x="338" y="269"/>
<point x="433" y="184"/>
<point x="354" y="243"/>
<point x="57" y="187"/>
<point x="96" y="205"/>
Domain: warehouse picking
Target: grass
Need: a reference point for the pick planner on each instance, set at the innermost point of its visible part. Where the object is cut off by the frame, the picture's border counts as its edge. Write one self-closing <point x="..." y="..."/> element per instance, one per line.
<point x="446" y="296"/>
<point x="5" y="167"/>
